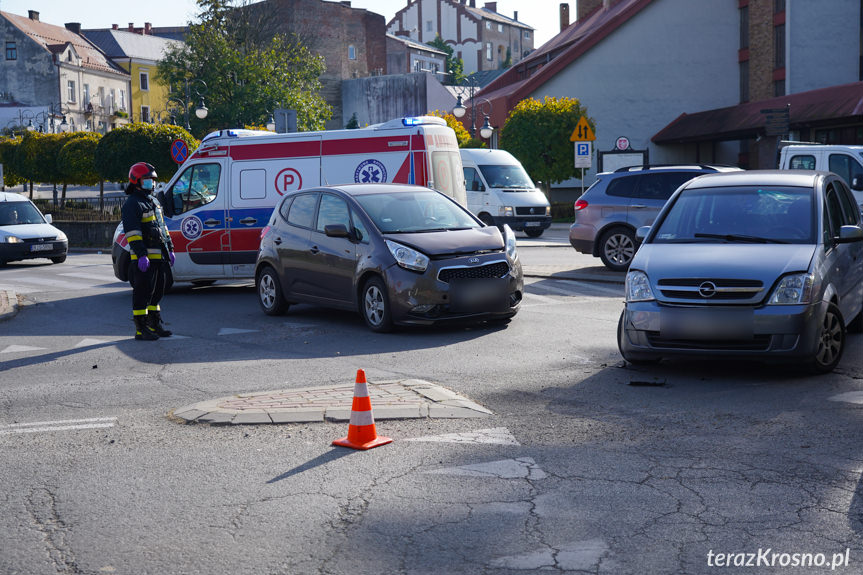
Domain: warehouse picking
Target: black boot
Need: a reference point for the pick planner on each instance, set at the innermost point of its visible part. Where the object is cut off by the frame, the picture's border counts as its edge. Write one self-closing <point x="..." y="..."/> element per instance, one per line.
<point x="154" y="322"/>
<point x="142" y="330"/>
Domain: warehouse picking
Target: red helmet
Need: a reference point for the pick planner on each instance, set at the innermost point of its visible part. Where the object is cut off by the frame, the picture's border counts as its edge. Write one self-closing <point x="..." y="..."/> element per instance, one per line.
<point x="140" y="171"/>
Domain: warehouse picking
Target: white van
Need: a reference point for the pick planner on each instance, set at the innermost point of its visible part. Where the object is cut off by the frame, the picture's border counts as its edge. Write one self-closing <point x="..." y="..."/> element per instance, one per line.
<point x="500" y="192"/>
<point x="220" y="199"/>
<point x="845" y="161"/>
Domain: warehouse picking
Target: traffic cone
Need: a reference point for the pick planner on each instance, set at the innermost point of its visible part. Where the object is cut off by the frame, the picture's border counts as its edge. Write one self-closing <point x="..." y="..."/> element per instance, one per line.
<point x="361" y="430"/>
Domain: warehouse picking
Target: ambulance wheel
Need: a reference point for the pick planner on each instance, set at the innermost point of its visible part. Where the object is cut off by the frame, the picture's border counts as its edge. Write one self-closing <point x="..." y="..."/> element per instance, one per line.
<point x="270" y="292"/>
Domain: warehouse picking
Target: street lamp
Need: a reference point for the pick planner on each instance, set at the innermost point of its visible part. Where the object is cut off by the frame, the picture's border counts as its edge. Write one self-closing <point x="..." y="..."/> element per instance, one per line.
<point x="185" y="100"/>
<point x="470" y="86"/>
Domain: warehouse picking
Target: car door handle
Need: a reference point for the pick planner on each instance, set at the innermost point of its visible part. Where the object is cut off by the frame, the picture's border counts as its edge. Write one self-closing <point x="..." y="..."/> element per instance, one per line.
<point x="314" y="249"/>
<point x="639" y="206"/>
<point x="248" y="221"/>
<point x="277" y="241"/>
<point x="212" y="222"/>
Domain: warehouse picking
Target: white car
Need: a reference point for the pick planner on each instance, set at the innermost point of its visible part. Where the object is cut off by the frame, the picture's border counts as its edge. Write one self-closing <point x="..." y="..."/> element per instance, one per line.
<point x="26" y="234"/>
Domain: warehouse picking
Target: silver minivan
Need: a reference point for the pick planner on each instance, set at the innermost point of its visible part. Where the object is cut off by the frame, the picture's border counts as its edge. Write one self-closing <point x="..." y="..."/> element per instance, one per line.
<point x="761" y="264"/>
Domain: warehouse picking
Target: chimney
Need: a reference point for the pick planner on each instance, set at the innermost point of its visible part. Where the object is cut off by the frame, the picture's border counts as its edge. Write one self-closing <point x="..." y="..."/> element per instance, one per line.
<point x="346" y="3"/>
<point x="74" y="27"/>
<point x="114" y="27"/>
<point x="472" y="3"/>
<point x="564" y="16"/>
<point x="131" y="27"/>
<point x="492" y="6"/>
<point x="515" y="16"/>
<point x="33" y="15"/>
<point x="148" y="28"/>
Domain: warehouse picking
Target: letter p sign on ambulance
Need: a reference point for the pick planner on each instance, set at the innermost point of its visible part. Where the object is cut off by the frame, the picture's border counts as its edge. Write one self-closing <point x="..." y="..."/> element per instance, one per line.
<point x="288" y="180"/>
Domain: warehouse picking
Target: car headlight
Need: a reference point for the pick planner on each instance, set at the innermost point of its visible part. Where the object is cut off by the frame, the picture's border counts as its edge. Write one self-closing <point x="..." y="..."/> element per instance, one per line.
<point x="505" y="211"/>
<point x="408" y="258"/>
<point x="793" y="289"/>
<point x="14" y="240"/>
<point x="637" y="287"/>
<point x="511" y="247"/>
<point x="61" y="237"/>
<point x="548" y="210"/>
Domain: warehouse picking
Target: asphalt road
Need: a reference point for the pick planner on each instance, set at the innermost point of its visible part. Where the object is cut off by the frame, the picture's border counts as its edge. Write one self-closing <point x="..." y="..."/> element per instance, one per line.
<point x="585" y="465"/>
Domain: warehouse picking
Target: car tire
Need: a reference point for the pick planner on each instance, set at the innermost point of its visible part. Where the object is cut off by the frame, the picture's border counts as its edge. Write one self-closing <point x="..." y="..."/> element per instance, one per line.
<point x="617" y="248"/>
<point x="59" y="259"/>
<point x="270" y="292"/>
<point x="831" y="341"/>
<point x="533" y="233"/>
<point x="856" y="324"/>
<point x="375" y="306"/>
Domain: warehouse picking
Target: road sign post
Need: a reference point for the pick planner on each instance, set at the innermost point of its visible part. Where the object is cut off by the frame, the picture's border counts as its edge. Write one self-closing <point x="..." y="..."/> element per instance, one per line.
<point x="582" y="135"/>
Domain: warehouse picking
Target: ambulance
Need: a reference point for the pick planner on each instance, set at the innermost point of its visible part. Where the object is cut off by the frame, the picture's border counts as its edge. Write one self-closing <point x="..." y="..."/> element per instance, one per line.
<point x="222" y="196"/>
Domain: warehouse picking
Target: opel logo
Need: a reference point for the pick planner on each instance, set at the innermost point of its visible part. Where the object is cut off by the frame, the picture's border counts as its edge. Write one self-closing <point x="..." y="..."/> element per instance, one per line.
<point x="707" y="289"/>
<point x="473" y="261"/>
<point x="531" y="211"/>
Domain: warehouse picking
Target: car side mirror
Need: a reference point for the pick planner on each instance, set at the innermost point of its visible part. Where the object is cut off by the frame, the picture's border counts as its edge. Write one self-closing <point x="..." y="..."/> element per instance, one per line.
<point x="641" y="233"/>
<point x="850" y="234"/>
<point x="337" y="231"/>
<point x="48" y="218"/>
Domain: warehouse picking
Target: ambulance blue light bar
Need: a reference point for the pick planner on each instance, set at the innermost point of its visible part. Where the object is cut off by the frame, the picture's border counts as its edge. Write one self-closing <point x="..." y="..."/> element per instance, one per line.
<point x="420" y="120"/>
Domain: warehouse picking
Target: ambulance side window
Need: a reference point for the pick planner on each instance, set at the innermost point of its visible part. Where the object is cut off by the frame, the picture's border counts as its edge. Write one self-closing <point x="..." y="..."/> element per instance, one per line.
<point x="196" y="187"/>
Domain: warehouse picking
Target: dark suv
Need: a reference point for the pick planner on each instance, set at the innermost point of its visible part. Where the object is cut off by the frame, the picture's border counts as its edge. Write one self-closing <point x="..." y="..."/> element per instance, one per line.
<point x="619" y="202"/>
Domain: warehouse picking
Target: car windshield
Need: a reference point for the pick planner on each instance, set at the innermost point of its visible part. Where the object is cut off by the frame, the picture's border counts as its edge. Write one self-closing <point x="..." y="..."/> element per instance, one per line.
<point x="755" y="214"/>
<point x="17" y="213"/>
<point x="415" y="212"/>
<point x="498" y="176"/>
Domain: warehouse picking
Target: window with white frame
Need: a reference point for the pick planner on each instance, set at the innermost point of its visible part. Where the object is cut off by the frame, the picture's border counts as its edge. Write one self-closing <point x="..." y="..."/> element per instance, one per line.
<point x="488" y="24"/>
<point x="352" y="52"/>
<point x="429" y="26"/>
<point x="122" y="98"/>
<point x="145" y="81"/>
<point x="70" y="90"/>
<point x="86" y="89"/>
<point x="113" y="100"/>
<point x="11" y="51"/>
<point x="527" y="34"/>
<point x="489" y="54"/>
<point x="500" y="27"/>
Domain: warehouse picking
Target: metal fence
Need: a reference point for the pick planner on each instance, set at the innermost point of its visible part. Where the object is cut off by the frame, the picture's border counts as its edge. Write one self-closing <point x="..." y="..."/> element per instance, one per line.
<point x="82" y="209"/>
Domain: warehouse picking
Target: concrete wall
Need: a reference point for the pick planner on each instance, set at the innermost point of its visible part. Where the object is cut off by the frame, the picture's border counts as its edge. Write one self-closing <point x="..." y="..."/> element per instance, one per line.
<point x="88" y="234"/>
<point x="655" y="66"/>
<point x="31" y="79"/>
<point x="823" y="44"/>
<point x="382" y="98"/>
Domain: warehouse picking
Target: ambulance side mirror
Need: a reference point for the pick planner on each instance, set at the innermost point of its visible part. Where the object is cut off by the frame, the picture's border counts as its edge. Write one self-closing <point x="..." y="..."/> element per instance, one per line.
<point x="167" y="207"/>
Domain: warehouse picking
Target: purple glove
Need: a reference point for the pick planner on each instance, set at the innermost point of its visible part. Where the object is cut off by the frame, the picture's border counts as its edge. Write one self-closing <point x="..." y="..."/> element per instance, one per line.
<point x="172" y="257"/>
<point x="144" y="263"/>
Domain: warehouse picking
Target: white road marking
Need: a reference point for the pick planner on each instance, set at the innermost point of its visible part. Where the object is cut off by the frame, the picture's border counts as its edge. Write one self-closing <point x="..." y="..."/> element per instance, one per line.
<point x="495" y="436"/>
<point x="849" y="397"/>
<point x="21" y="348"/>
<point x="88" y="342"/>
<point x="234" y="330"/>
<point x="521" y="468"/>
<point x="62" y="425"/>
<point x="55" y="283"/>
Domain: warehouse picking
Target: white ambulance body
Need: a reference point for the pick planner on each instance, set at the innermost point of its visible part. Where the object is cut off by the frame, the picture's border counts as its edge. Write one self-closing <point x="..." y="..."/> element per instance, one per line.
<point x="221" y="198"/>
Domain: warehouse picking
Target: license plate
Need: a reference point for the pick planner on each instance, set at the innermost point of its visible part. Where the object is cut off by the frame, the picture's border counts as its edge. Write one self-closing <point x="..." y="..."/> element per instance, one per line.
<point x="532" y="224"/>
<point x="41" y="247"/>
<point x="478" y="295"/>
<point x="704" y="324"/>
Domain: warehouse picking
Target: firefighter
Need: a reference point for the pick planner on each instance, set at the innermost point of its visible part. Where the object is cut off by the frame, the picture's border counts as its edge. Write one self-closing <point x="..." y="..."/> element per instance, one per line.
<point x="150" y="249"/>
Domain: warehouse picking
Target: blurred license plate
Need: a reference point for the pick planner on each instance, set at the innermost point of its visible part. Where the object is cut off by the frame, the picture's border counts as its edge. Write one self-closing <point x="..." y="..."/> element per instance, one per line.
<point x="706" y="324"/>
<point x="477" y="295"/>
<point x="531" y="224"/>
<point x="41" y="247"/>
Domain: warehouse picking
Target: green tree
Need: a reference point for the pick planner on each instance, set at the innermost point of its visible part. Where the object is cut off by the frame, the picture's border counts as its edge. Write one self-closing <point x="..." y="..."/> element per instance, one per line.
<point x="247" y="73"/>
<point x="537" y="134"/>
<point x="36" y="158"/>
<point x="8" y="148"/>
<point x="353" y="123"/>
<point x="77" y="161"/>
<point x="120" y="148"/>
<point x="461" y="134"/>
<point x="453" y="66"/>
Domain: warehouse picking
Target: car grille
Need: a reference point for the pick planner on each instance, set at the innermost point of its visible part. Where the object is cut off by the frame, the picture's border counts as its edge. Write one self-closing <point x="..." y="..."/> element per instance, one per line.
<point x="526" y="211"/>
<point x="32" y="241"/>
<point x="698" y="289"/>
<point x="492" y="270"/>
<point x="757" y="343"/>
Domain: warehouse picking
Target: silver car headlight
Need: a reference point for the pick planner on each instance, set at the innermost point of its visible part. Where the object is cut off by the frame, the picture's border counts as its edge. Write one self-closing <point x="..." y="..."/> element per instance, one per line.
<point x="61" y="237"/>
<point x="637" y="287"/>
<point x="793" y="289"/>
<point x="408" y="258"/>
<point x="14" y="240"/>
<point x="505" y="211"/>
<point x="511" y="247"/>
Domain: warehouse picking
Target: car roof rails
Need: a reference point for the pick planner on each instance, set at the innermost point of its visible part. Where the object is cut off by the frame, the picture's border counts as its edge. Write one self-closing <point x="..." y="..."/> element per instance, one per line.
<point x="681" y="166"/>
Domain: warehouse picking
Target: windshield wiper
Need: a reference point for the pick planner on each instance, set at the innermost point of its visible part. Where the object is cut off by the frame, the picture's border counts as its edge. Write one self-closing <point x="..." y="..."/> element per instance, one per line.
<point x="740" y="238"/>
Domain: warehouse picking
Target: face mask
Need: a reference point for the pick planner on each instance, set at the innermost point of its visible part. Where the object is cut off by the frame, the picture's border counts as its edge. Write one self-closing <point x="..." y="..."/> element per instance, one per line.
<point x="147" y="185"/>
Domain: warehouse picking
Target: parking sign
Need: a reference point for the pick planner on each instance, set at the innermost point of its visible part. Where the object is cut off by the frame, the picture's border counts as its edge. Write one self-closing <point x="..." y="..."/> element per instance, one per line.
<point x="582" y="154"/>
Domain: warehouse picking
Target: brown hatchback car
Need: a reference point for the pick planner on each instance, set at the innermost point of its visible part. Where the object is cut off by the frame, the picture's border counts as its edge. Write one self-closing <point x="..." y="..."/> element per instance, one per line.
<point x="397" y="254"/>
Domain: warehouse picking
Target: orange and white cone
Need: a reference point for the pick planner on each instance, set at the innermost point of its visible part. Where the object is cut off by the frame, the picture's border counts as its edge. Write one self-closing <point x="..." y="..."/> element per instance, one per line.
<point x="361" y="430"/>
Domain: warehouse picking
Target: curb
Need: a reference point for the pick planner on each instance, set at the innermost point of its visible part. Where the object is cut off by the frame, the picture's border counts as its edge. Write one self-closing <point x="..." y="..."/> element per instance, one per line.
<point x="400" y="399"/>
<point x="8" y="304"/>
